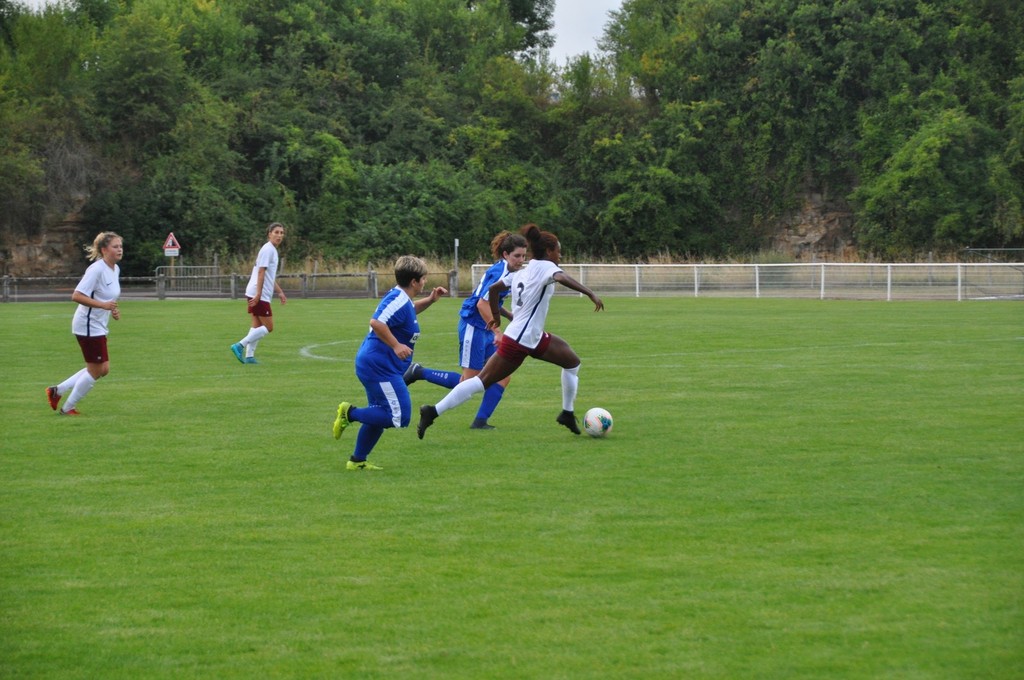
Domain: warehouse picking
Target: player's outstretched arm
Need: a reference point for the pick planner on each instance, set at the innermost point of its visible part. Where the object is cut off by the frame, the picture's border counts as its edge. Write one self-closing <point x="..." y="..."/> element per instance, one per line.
<point x="569" y="282"/>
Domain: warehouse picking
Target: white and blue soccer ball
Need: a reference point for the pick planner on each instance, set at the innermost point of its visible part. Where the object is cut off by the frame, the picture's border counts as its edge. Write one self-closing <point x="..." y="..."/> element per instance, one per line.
<point x="597" y="422"/>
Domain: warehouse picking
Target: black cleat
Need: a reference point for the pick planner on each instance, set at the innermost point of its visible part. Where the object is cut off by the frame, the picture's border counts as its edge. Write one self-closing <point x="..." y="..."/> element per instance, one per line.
<point x="481" y="424"/>
<point x="568" y="419"/>
<point x="413" y="373"/>
<point x="427" y="416"/>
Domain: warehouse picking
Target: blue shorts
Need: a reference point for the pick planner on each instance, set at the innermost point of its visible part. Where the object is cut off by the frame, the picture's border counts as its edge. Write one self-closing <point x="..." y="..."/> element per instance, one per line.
<point x="476" y="345"/>
<point x="389" y="399"/>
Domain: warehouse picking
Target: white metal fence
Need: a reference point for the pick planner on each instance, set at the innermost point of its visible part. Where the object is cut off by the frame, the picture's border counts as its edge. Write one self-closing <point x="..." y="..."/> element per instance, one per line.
<point x="946" y="281"/>
<point x="204" y="282"/>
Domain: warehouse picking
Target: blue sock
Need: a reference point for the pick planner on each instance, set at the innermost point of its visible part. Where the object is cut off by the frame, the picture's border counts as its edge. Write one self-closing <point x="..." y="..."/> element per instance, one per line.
<point x="371" y="415"/>
<point x="366" y="439"/>
<point x="447" y="379"/>
<point x="492" y="396"/>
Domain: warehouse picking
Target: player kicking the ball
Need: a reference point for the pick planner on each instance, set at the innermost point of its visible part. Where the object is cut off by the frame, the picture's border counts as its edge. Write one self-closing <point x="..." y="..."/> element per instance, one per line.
<point x="532" y="288"/>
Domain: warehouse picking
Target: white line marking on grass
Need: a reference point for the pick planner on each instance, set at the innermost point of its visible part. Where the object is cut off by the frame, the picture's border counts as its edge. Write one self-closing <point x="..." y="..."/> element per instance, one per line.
<point x="309" y="351"/>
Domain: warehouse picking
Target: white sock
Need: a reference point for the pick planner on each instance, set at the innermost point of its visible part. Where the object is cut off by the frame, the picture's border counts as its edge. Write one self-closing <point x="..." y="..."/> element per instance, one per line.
<point x="69" y="384"/>
<point x="250" y="349"/>
<point x="255" y="335"/>
<point x="461" y="393"/>
<point x="570" y="384"/>
<point x="82" y="387"/>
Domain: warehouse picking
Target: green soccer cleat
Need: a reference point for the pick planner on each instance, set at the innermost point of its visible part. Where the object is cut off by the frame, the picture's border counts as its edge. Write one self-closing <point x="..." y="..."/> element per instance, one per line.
<point x="341" y="422"/>
<point x="237" y="350"/>
<point x="361" y="465"/>
<point x="250" y="360"/>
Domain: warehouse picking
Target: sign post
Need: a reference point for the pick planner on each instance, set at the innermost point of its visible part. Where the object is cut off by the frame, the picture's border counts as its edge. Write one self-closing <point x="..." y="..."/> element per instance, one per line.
<point x="455" y="281"/>
<point x="171" y="248"/>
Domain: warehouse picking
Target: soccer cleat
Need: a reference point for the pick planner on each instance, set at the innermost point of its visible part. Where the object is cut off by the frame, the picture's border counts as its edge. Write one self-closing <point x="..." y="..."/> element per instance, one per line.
<point x="361" y="465"/>
<point x="481" y="424"/>
<point x="341" y="422"/>
<point x="72" y="412"/>
<point x="236" y="349"/>
<point x="53" y="397"/>
<point x="568" y="418"/>
<point x="427" y="416"/>
<point x="413" y="373"/>
<point x="250" y="360"/>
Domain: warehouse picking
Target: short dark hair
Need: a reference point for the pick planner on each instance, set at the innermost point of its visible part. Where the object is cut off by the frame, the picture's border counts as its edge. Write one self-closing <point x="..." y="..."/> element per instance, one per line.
<point x="408" y="268"/>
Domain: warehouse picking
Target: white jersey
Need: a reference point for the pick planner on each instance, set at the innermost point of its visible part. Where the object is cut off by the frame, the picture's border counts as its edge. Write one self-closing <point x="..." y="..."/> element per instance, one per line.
<point x="99" y="282"/>
<point x="267" y="258"/>
<point x="532" y="289"/>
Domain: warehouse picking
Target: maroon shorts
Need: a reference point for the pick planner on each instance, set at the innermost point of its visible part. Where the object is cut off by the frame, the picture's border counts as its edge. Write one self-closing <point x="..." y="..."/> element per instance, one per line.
<point x="261" y="308"/>
<point x="512" y="351"/>
<point x="94" y="348"/>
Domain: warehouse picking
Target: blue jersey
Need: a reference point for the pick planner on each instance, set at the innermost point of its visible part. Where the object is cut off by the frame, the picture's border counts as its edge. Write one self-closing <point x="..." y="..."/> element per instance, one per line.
<point x="375" y="360"/>
<point x="469" y="312"/>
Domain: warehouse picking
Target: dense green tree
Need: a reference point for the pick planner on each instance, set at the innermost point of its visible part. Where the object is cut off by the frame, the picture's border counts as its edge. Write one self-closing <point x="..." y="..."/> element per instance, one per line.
<point x="140" y="80"/>
<point x="939" y="190"/>
<point x="535" y="17"/>
<point x="801" y="87"/>
<point x="46" y="162"/>
<point x="377" y="127"/>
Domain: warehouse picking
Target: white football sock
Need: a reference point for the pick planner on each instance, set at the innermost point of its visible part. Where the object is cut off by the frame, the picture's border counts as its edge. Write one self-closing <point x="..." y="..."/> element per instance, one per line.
<point x="82" y="387"/>
<point x="255" y="335"/>
<point x="570" y="384"/>
<point x="69" y="384"/>
<point x="250" y="349"/>
<point x="461" y="393"/>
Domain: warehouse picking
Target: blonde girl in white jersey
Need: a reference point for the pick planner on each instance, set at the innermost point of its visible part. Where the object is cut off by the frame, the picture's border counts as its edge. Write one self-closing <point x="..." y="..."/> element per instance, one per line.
<point x="96" y="295"/>
<point x="532" y="288"/>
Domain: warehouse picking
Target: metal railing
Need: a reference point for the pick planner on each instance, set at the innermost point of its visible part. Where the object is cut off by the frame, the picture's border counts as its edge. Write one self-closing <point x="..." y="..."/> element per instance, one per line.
<point x="181" y="283"/>
<point x="946" y="281"/>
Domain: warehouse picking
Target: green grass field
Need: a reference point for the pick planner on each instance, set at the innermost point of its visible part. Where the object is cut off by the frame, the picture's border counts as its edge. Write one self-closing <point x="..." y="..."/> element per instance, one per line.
<point x="793" y="489"/>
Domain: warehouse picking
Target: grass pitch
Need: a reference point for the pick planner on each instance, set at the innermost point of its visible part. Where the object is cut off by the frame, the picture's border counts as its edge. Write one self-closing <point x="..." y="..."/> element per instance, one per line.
<point x="796" y="489"/>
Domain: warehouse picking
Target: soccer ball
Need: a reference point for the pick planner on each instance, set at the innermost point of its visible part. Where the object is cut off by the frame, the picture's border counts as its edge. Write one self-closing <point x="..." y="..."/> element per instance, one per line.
<point x="597" y="422"/>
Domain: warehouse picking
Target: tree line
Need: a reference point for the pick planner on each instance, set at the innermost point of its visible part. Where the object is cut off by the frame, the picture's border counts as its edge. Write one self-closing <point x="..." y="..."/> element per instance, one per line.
<point x="374" y="128"/>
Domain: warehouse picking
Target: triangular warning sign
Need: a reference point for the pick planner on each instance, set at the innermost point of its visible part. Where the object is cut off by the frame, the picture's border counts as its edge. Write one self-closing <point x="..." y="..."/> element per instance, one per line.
<point x="171" y="242"/>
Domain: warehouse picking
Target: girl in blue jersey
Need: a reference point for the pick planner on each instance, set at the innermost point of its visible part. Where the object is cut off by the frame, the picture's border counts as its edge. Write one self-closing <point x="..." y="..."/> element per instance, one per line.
<point x="96" y="295"/>
<point x="382" y="359"/>
<point x="477" y="342"/>
<point x="532" y="288"/>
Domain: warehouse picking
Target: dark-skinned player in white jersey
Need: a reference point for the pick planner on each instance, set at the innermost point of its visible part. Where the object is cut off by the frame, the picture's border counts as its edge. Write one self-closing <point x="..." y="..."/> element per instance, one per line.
<point x="532" y="289"/>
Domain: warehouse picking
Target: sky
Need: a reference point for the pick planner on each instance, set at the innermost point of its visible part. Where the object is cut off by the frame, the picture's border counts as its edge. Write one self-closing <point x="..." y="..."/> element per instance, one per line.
<point x="578" y="25"/>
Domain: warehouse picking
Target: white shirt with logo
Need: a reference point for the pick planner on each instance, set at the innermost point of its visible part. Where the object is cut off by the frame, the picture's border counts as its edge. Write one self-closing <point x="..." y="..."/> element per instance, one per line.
<point x="102" y="283"/>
